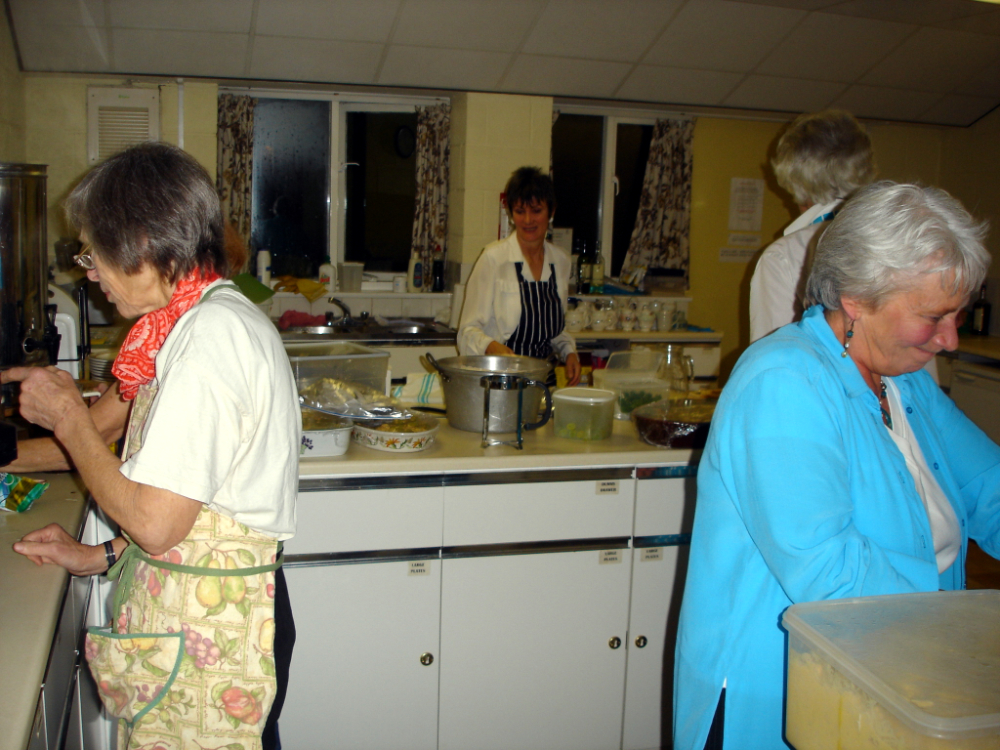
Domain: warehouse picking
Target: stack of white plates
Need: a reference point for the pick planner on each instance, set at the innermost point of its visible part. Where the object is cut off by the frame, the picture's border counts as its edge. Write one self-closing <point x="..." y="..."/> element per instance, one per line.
<point x="100" y="364"/>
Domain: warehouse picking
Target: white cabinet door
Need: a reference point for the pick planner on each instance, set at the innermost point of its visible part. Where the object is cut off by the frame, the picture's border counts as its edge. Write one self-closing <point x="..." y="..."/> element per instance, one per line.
<point x="664" y="508"/>
<point x="357" y="680"/>
<point x="526" y="655"/>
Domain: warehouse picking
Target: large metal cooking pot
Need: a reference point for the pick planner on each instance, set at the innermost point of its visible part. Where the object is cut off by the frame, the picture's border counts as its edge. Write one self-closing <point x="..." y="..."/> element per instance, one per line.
<point x="465" y="393"/>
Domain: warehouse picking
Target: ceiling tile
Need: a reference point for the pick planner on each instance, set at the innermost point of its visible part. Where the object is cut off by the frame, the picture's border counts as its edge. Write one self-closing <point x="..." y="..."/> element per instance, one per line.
<point x="287" y="59"/>
<point x="442" y="68"/>
<point x="347" y="20"/>
<point x="987" y="22"/>
<point x="83" y="50"/>
<point x="32" y="13"/>
<point x="984" y="83"/>
<point x="885" y="103"/>
<point x="650" y="83"/>
<point x="555" y="76"/>
<point x="794" y="4"/>
<point x="922" y="12"/>
<point x="598" y="30"/>
<point x="954" y="109"/>
<point x="935" y="60"/>
<point x="826" y="47"/>
<point x="783" y="94"/>
<point x="466" y="24"/>
<point x="197" y="15"/>
<point x="178" y="53"/>
<point x="722" y="35"/>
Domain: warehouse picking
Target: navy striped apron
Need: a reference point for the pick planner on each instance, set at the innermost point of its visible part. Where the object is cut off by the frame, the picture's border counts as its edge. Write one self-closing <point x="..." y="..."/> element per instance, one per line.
<point x="542" y="316"/>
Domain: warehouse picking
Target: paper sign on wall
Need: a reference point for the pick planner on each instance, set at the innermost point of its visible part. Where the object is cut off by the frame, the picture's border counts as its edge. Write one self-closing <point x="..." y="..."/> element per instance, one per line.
<point x="746" y="204"/>
<point x="736" y="254"/>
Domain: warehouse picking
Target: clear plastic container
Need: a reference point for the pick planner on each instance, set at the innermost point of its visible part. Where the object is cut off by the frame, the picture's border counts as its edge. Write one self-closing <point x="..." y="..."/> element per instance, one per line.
<point x="906" y="671"/>
<point x="351" y="363"/>
<point x="583" y="413"/>
<point x="631" y="388"/>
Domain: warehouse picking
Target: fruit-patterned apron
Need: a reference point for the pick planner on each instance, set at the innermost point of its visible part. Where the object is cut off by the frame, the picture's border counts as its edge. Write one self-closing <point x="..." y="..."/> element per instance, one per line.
<point x="189" y="658"/>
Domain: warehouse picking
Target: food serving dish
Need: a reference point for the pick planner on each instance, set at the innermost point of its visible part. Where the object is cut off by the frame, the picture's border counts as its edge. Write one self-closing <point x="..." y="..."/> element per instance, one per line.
<point x="324" y="435"/>
<point x="583" y="413"/>
<point x="670" y="424"/>
<point x="915" y="671"/>
<point x="398" y="436"/>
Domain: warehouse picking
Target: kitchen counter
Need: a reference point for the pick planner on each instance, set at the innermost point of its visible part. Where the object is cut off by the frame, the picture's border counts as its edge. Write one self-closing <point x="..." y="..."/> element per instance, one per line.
<point x="980" y="346"/>
<point x="30" y="601"/>
<point x="457" y="451"/>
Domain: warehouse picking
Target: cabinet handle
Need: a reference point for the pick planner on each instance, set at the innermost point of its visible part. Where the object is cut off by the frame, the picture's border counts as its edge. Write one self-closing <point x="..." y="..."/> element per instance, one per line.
<point x="426" y="659"/>
<point x="615" y="642"/>
<point x="641" y="641"/>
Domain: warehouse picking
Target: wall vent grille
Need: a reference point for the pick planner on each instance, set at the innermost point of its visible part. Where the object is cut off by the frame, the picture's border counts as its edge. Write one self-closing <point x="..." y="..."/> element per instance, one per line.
<point x="120" y="117"/>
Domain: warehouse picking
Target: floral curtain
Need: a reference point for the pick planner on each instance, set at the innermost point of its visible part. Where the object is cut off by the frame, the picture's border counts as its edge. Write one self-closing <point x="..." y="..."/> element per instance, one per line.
<point x="430" y="217"/>
<point x="660" y="238"/>
<point x="234" y="167"/>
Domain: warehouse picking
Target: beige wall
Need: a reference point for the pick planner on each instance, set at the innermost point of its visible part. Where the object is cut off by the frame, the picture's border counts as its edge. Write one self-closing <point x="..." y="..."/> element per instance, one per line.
<point x="11" y="99"/>
<point x="56" y="121"/>
<point x="491" y="136"/>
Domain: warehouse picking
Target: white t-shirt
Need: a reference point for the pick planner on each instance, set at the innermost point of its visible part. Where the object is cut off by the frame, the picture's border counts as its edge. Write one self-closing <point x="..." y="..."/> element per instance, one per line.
<point x="945" y="532"/>
<point x="225" y="425"/>
<point x="492" y="308"/>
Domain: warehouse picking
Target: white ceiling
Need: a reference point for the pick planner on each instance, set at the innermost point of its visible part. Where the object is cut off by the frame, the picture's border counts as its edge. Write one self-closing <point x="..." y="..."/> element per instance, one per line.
<point x="933" y="61"/>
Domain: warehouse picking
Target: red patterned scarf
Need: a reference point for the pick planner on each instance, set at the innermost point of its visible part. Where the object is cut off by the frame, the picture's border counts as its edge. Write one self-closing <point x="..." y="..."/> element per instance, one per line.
<point x="136" y="362"/>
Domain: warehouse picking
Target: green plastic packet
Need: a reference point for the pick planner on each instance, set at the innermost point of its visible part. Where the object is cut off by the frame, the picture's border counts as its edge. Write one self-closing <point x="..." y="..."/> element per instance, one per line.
<point x="253" y="289"/>
<point x="18" y="493"/>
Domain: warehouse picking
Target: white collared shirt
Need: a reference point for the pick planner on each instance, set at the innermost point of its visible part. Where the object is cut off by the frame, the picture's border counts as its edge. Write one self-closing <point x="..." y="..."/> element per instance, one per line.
<point x="492" y="308"/>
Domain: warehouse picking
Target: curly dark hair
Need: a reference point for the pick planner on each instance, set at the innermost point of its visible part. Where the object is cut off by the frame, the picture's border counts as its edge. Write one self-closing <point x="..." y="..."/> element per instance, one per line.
<point x="530" y="185"/>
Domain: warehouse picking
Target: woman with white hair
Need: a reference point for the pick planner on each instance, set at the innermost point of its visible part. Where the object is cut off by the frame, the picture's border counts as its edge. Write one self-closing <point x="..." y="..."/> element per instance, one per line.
<point x="835" y="467"/>
<point x="821" y="159"/>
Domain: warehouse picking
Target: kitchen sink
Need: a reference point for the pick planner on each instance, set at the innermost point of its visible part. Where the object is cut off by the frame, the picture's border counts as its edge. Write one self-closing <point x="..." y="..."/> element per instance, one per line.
<point x="374" y="329"/>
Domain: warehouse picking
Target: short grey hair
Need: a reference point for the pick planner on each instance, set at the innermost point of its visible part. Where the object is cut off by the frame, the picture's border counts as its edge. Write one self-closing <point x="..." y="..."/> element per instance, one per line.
<point x="888" y="234"/>
<point x="823" y="157"/>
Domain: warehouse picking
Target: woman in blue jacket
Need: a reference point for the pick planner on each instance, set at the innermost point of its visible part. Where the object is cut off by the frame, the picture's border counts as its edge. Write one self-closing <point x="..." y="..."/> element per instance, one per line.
<point x="835" y="466"/>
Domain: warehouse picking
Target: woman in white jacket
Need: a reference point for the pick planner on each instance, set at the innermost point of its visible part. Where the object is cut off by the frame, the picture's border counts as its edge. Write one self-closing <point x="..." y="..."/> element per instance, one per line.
<point x="515" y="299"/>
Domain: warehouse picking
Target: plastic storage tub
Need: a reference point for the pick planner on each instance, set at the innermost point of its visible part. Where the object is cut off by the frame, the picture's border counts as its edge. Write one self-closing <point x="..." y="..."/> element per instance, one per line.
<point x="631" y="389"/>
<point x="583" y="413"/>
<point x="906" y="671"/>
<point x="351" y="363"/>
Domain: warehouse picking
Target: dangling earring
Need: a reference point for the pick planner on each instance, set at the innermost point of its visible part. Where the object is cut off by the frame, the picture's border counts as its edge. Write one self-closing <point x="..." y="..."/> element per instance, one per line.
<point x="847" y="340"/>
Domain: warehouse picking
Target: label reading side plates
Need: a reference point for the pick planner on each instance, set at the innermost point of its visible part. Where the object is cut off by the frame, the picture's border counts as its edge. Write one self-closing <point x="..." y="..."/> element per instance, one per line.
<point x="607" y="487"/>
<point x="651" y="554"/>
<point x="420" y="568"/>
<point x="610" y="556"/>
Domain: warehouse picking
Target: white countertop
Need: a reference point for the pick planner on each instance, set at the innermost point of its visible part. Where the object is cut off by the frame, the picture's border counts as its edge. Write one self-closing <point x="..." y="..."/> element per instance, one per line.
<point x="679" y="337"/>
<point x="458" y="451"/>
<point x="30" y="597"/>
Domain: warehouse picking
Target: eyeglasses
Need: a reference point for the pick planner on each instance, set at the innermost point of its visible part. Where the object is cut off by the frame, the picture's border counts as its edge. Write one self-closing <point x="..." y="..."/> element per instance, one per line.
<point x="86" y="258"/>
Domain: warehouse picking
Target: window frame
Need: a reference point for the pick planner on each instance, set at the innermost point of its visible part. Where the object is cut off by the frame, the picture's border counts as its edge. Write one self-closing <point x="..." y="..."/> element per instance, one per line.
<point x="612" y="117"/>
<point x="341" y="103"/>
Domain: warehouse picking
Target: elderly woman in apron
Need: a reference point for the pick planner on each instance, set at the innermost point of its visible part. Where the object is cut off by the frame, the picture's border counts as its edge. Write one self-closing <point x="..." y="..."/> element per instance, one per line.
<point x="515" y="299"/>
<point x="200" y="639"/>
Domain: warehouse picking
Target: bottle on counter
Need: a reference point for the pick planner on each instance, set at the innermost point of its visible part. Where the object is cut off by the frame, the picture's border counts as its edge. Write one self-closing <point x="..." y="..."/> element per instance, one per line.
<point x="264" y="267"/>
<point x="415" y="274"/>
<point x="584" y="266"/>
<point x="328" y="276"/>
<point x="437" y="270"/>
<point x="597" y="271"/>
<point x="980" y="318"/>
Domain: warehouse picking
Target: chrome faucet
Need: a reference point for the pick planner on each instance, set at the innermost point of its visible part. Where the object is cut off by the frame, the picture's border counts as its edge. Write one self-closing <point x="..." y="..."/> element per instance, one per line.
<point x="344" y="309"/>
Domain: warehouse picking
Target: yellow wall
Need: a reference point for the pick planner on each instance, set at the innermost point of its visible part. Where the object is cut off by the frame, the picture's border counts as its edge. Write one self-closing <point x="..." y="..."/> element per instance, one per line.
<point x="491" y="136"/>
<point x="11" y="99"/>
<point x="56" y="120"/>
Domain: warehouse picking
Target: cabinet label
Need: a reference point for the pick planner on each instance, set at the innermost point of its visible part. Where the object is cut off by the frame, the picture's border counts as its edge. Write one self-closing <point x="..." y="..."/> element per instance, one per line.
<point x="651" y="554"/>
<point x="420" y="568"/>
<point x="611" y="556"/>
<point x="607" y="487"/>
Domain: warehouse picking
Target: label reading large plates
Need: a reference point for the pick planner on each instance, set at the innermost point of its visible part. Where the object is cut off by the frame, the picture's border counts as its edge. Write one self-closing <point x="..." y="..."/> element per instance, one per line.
<point x="651" y="554"/>
<point x="420" y="568"/>
<point x="610" y="556"/>
<point x="607" y="487"/>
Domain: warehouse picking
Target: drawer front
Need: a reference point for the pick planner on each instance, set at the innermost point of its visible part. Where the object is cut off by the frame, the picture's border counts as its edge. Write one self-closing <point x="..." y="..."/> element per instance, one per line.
<point x="664" y="506"/>
<point x="538" y="511"/>
<point x="367" y="519"/>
